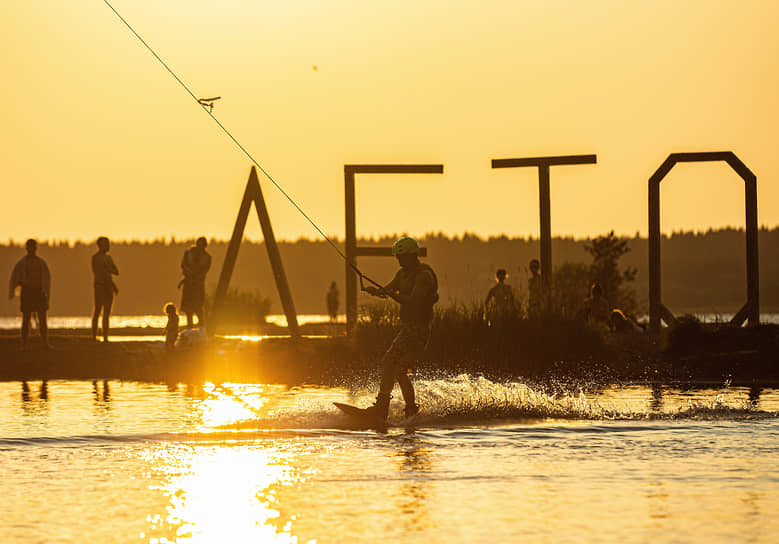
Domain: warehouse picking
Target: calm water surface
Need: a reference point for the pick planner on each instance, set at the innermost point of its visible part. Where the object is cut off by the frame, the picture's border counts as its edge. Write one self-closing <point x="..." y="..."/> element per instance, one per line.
<point x="486" y="462"/>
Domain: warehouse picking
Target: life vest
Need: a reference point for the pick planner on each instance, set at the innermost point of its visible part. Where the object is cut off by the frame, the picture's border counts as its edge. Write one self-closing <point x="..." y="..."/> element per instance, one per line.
<point x="420" y="311"/>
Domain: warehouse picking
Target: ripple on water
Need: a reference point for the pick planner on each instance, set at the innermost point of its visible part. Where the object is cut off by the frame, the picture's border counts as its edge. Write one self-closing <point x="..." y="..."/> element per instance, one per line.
<point x="254" y="462"/>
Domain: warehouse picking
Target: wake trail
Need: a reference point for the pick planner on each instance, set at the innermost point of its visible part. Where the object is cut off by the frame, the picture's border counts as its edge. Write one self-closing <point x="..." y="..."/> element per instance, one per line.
<point x="465" y="400"/>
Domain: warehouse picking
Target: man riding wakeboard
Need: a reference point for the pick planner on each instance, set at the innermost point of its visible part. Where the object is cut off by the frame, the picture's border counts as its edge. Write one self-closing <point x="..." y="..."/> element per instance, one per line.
<point x="415" y="288"/>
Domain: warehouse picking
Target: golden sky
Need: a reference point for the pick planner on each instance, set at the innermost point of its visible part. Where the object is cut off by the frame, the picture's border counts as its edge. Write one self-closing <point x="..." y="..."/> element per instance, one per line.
<point x="97" y="138"/>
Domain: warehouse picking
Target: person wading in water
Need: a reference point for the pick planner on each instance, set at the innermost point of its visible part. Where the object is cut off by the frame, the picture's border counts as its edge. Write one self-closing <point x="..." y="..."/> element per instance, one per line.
<point x="415" y="288"/>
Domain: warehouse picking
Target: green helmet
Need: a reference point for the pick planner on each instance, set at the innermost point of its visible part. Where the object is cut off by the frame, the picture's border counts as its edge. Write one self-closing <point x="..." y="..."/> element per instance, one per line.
<point x="405" y="246"/>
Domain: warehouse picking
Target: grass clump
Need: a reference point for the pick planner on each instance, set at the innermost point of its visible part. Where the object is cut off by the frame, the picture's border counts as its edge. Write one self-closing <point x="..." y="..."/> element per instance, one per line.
<point x="238" y="312"/>
<point x="462" y="339"/>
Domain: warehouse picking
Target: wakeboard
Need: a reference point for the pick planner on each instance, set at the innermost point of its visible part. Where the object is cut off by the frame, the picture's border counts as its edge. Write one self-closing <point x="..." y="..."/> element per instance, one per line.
<point x="355" y="412"/>
<point x="362" y="416"/>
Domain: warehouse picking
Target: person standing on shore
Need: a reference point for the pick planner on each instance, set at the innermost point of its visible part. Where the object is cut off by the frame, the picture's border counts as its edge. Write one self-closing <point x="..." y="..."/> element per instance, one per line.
<point x="597" y="310"/>
<point x="332" y="302"/>
<point x="535" y="289"/>
<point x="172" y="327"/>
<point x="103" y="269"/>
<point x="415" y="288"/>
<point x="195" y="265"/>
<point x="32" y="274"/>
<point x="500" y="299"/>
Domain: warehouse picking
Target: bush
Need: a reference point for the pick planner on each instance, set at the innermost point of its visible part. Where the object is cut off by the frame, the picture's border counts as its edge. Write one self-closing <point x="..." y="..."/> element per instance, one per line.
<point x="239" y="311"/>
<point x="571" y="282"/>
<point x="570" y="286"/>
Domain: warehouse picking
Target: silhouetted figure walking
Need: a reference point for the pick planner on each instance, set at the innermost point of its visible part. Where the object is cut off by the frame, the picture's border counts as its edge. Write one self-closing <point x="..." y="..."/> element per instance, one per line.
<point x="415" y="288"/>
<point x="103" y="269"/>
<point x="333" y="296"/>
<point x="32" y="274"/>
<point x="194" y="266"/>
<point x="500" y="299"/>
<point x="535" y="289"/>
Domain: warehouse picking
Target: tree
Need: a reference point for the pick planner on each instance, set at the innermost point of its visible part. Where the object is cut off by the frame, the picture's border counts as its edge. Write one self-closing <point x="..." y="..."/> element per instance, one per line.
<point x="569" y="288"/>
<point x="606" y="252"/>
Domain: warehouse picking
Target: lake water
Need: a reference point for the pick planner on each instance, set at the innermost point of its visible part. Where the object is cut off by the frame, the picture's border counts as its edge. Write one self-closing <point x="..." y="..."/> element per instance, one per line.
<point x="485" y="462"/>
<point x="156" y="321"/>
<point x="153" y="321"/>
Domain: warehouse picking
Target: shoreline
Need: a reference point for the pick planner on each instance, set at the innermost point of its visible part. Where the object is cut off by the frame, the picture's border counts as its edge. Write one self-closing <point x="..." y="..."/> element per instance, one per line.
<point x="265" y="329"/>
<point x="317" y="358"/>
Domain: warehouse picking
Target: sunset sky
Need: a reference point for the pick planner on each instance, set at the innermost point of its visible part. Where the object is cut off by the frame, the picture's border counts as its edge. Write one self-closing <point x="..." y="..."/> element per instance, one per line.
<point x="98" y="139"/>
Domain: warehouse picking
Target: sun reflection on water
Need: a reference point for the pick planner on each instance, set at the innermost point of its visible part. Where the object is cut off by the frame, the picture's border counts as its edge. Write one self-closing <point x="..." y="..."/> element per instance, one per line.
<point x="223" y="491"/>
<point x="229" y="404"/>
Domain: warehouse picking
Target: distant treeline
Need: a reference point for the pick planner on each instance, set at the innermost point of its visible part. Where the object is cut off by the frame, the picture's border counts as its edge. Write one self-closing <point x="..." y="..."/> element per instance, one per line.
<point x="702" y="272"/>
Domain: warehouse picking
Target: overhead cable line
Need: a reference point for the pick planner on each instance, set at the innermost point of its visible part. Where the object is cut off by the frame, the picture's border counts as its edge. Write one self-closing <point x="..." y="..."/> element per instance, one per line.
<point x="208" y="105"/>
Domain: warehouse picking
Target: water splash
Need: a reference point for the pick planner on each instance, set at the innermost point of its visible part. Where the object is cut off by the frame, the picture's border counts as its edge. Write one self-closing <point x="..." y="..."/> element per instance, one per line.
<point x="475" y="400"/>
<point x="464" y="397"/>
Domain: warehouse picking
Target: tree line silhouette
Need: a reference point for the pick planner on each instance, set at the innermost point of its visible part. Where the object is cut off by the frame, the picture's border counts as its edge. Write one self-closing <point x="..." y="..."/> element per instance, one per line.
<point x="702" y="272"/>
